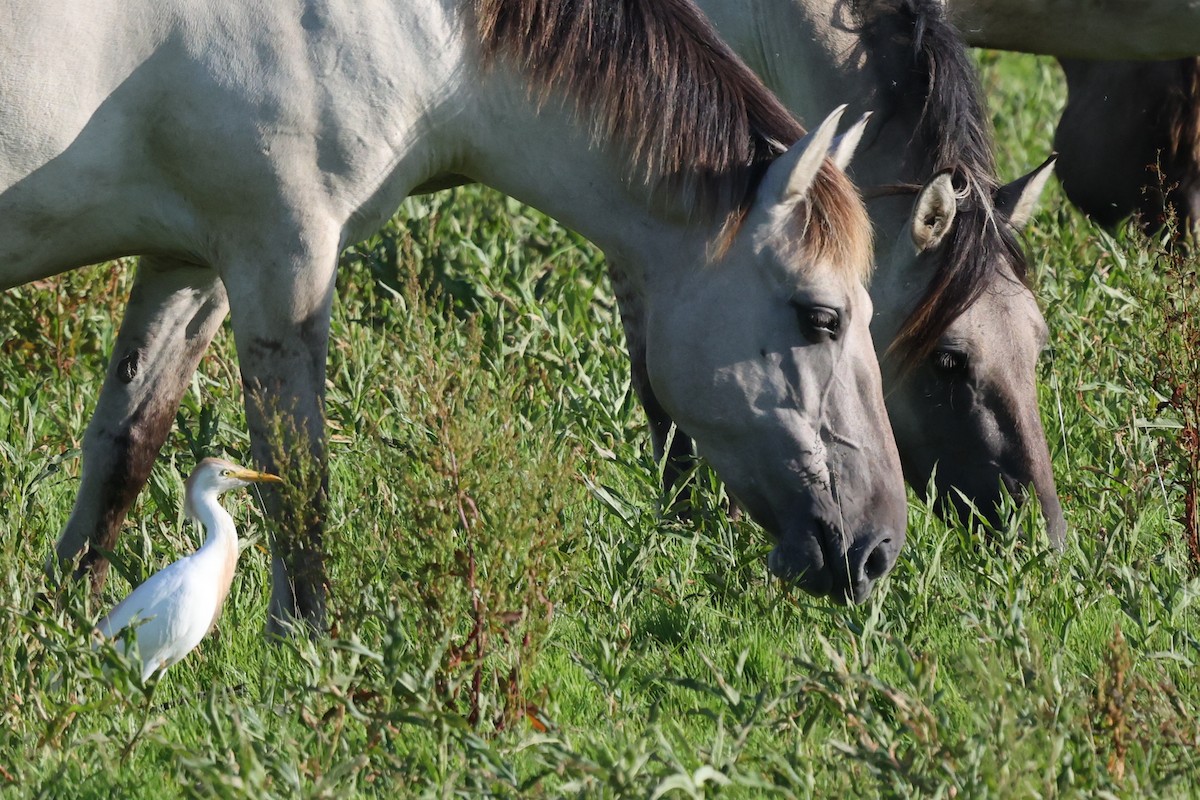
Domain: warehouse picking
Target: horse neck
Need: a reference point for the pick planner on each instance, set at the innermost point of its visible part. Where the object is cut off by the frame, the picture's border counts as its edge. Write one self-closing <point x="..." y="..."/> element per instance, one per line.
<point x="814" y="73"/>
<point x="790" y="44"/>
<point x="540" y="154"/>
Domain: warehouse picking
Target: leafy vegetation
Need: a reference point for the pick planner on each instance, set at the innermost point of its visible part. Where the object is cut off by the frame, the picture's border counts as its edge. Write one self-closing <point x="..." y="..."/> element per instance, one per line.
<point x="512" y="614"/>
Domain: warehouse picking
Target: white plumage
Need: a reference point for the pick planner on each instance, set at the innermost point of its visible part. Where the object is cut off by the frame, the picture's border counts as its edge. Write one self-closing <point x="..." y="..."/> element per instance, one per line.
<point x="177" y="606"/>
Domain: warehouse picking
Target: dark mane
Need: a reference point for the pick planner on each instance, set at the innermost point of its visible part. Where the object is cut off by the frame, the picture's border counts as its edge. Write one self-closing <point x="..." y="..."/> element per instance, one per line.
<point x="924" y="70"/>
<point x="653" y="75"/>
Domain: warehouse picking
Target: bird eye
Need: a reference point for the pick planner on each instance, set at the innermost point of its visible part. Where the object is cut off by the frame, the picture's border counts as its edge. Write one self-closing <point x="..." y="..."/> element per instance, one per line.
<point x="818" y="322"/>
<point x="225" y="473"/>
<point x="949" y="363"/>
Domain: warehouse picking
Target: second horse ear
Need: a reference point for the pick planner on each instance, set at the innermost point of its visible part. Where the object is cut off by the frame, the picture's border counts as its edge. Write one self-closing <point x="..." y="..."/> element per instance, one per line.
<point x="792" y="174"/>
<point x="845" y="145"/>
<point x="1018" y="200"/>
<point x="933" y="212"/>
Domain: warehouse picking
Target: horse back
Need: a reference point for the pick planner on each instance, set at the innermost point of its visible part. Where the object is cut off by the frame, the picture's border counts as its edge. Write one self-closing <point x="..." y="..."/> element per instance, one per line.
<point x="163" y="128"/>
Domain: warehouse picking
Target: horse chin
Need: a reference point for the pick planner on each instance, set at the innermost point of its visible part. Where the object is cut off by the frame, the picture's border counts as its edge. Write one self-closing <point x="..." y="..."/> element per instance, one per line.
<point x="799" y="556"/>
<point x="802" y="566"/>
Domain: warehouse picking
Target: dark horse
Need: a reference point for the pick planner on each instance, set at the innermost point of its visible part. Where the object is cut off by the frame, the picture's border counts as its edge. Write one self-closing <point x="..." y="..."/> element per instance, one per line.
<point x="1129" y="141"/>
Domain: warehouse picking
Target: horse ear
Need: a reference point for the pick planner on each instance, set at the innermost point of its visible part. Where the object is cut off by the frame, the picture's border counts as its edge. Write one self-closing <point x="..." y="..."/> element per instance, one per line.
<point x="793" y="173"/>
<point x="845" y="145"/>
<point x="933" y="212"/>
<point x="1018" y="199"/>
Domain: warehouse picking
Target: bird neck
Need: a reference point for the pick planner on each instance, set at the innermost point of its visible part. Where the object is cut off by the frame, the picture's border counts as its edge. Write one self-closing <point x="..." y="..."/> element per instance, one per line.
<point x="217" y="524"/>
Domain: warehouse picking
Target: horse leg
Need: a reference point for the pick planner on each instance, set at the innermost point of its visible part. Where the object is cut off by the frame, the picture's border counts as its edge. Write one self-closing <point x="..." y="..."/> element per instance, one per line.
<point x="280" y="314"/>
<point x="680" y="457"/>
<point x="175" y="308"/>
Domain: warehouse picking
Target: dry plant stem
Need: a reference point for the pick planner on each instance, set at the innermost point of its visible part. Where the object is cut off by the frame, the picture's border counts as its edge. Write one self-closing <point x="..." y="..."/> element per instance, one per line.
<point x="1177" y="376"/>
<point x="1191" y="521"/>
<point x="1111" y="694"/>
<point x="468" y="515"/>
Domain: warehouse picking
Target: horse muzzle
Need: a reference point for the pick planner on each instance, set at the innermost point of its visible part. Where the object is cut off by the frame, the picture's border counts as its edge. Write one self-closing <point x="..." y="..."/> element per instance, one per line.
<point x="821" y="566"/>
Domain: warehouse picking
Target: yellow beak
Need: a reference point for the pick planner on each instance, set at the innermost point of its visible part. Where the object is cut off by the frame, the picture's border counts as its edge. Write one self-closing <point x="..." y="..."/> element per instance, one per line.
<point x="256" y="477"/>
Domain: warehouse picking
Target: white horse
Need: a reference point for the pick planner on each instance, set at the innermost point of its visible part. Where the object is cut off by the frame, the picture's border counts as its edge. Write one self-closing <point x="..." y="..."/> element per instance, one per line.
<point x="239" y="146"/>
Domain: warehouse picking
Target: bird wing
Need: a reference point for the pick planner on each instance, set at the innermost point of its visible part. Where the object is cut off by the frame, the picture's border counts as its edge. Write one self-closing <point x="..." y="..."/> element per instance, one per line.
<point x="174" y="608"/>
<point x="149" y="599"/>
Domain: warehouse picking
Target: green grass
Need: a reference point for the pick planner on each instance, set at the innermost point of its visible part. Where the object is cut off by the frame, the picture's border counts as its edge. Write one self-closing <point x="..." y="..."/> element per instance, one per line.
<point x="477" y="370"/>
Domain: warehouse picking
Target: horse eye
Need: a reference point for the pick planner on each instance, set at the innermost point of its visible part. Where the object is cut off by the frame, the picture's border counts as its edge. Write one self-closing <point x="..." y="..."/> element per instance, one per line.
<point x="819" y="322"/>
<point x="950" y="362"/>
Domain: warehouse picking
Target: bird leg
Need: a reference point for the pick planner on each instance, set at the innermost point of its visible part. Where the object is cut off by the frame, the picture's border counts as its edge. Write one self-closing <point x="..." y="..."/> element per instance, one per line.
<point x="147" y="700"/>
<point x="174" y="310"/>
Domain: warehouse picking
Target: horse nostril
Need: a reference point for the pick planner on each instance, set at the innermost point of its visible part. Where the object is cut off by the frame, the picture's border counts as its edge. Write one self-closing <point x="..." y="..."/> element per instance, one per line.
<point x="1017" y="490"/>
<point x="879" y="560"/>
<point x="874" y="559"/>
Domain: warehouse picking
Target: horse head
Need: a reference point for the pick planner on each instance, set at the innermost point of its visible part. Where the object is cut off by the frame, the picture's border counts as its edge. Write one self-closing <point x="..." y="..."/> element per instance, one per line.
<point x="962" y="368"/>
<point x="764" y="356"/>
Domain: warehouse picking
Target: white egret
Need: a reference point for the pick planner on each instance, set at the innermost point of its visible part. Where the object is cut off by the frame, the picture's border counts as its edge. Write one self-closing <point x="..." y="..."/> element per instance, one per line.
<point x="177" y="606"/>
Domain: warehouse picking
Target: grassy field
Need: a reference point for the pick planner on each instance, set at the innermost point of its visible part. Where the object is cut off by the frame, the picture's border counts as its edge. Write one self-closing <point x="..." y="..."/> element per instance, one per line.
<point x="478" y="364"/>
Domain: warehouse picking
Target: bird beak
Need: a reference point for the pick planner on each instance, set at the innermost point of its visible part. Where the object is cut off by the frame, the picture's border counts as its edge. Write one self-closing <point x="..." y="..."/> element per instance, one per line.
<point x="256" y="477"/>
